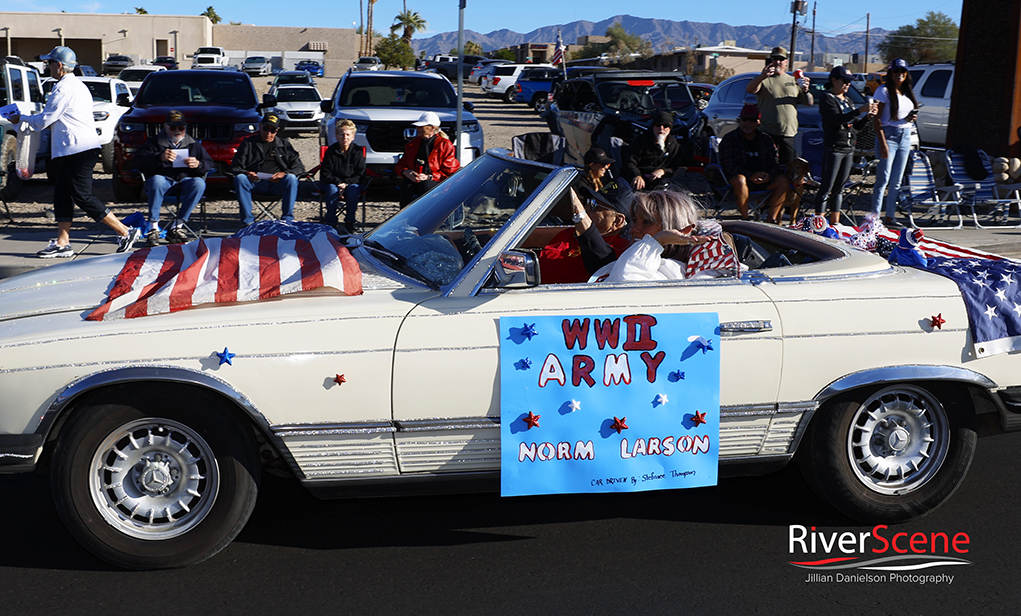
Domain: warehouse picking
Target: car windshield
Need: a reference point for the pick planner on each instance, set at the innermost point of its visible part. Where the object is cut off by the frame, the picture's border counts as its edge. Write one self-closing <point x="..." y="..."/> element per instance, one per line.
<point x="197" y="88"/>
<point x="401" y="92"/>
<point x="298" y="95"/>
<point x="100" y="91"/>
<point x="212" y="50"/>
<point x="117" y="59"/>
<point x="293" y="78"/>
<point x="255" y="60"/>
<point x="820" y="85"/>
<point x="645" y="97"/>
<point x="480" y="198"/>
<point x="134" y="74"/>
<point x="367" y="60"/>
<point x="165" y="59"/>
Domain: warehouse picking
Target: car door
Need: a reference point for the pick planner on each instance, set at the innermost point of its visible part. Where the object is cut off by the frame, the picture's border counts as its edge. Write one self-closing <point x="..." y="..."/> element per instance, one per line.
<point x="934" y="95"/>
<point x="446" y="377"/>
<point x="723" y="115"/>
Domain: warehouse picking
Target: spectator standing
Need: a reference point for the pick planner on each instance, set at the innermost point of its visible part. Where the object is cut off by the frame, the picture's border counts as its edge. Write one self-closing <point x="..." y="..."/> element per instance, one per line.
<point x="897" y="110"/>
<point x="341" y="174"/>
<point x="655" y="156"/>
<point x="597" y="163"/>
<point x="74" y="150"/>
<point x="266" y="163"/>
<point x="428" y="159"/>
<point x="840" y="123"/>
<point x="778" y="95"/>
<point x="749" y="160"/>
<point x="162" y="161"/>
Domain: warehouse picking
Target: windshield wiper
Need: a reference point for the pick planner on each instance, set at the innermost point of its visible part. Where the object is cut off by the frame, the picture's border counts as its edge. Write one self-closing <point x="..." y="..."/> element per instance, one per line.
<point x="397" y="262"/>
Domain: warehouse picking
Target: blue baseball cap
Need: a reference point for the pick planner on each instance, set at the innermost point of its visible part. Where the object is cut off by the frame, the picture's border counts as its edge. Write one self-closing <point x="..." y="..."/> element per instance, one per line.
<point x="899" y="63"/>
<point x="64" y="55"/>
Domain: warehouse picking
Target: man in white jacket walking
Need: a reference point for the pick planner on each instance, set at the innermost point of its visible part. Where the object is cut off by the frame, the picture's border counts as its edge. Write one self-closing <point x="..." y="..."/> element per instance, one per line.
<point x="74" y="150"/>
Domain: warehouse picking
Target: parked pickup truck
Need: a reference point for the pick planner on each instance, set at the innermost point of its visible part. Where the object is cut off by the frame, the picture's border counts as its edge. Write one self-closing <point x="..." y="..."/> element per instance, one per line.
<point x="221" y="107"/>
<point x="448" y="65"/>
<point x="210" y="58"/>
<point x="534" y="85"/>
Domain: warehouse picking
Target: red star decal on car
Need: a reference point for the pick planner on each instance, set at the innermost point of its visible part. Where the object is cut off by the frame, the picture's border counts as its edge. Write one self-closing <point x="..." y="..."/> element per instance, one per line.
<point x="938" y="321"/>
<point x="619" y="425"/>
<point x="698" y="419"/>
<point x="339" y="379"/>
<point x="532" y="421"/>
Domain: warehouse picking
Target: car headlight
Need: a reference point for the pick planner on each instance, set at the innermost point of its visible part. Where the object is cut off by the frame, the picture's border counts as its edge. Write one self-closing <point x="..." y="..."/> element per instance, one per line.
<point x="99" y="116"/>
<point x="470" y="127"/>
<point x="131" y="127"/>
<point x="246" y="127"/>
<point x="361" y="127"/>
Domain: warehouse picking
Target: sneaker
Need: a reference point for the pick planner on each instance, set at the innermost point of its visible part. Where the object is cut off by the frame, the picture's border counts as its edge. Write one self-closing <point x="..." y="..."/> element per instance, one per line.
<point x="53" y="251"/>
<point x="125" y="243"/>
<point x="152" y="238"/>
<point x="177" y="235"/>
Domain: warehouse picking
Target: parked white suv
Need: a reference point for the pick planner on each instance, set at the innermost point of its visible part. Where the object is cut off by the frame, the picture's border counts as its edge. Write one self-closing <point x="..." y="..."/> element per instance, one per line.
<point x="933" y="85"/>
<point x="135" y="75"/>
<point x="105" y="111"/>
<point x="368" y="63"/>
<point x="210" y="57"/>
<point x="383" y="105"/>
<point x="500" y="82"/>
<point x="20" y="85"/>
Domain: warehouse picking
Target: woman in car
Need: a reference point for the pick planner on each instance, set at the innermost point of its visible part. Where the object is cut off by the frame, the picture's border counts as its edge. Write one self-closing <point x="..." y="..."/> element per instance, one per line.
<point x="428" y="159"/>
<point x="664" y="227"/>
<point x="840" y="124"/>
<point x="597" y="163"/>
<point x="892" y="122"/>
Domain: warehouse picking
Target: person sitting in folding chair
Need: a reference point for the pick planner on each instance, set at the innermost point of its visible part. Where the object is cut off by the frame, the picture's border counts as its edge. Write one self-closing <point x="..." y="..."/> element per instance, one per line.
<point x="342" y="173"/>
<point x="750" y="161"/>
<point x="428" y="159"/>
<point x="167" y="159"/>
<point x="266" y="163"/>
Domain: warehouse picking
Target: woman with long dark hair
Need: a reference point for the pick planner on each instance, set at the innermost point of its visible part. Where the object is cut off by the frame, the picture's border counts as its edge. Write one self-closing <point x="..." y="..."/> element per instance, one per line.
<point x="897" y="110"/>
<point x="840" y="124"/>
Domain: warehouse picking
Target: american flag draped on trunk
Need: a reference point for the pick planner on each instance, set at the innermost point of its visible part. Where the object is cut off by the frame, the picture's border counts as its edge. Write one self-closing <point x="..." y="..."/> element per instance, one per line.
<point x="234" y="269"/>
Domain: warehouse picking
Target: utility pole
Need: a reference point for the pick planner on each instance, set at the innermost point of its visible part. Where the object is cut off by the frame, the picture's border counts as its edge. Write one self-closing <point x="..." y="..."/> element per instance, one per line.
<point x="797" y="7"/>
<point x="865" y="62"/>
<point x="811" y="59"/>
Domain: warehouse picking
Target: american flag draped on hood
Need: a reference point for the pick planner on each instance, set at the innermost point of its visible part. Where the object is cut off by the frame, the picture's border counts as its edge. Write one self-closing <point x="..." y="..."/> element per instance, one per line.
<point x="264" y="260"/>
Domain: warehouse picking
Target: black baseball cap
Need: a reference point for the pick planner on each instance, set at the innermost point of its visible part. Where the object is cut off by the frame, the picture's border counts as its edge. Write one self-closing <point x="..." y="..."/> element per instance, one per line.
<point x="662" y="118"/>
<point x="271" y="119"/>
<point x="597" y="155"/>
<point x="176" y="118"/>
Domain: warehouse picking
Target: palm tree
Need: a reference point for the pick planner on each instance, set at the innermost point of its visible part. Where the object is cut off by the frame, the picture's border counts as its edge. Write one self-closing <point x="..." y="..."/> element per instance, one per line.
<point x="412" y="22"/>
<point x="368" y="30"/>
<point x="140" y="10"/>
<point x="210" y="12"/>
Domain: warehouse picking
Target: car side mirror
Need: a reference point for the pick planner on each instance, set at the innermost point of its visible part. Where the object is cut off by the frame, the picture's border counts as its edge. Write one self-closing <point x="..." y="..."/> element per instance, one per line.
<point x="515" y="269"/>
<point x="469" y="107"/>
<point x="327" y="105"/>
<point x="268" y="100"/>
<point x="123" y="100"/>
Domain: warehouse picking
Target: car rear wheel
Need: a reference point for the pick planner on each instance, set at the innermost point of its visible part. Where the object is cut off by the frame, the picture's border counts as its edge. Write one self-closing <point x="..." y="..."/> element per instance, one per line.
<point x="106" y="157"/>
<point x="539" y="102"/>
<point x="159" y="488"/>
<point x="508" y="95"/>
<point x="890" y="454"/>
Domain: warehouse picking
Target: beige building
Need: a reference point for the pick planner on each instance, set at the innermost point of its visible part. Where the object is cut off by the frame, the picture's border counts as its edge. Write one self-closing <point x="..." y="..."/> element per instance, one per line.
<point x="95" y="36"/>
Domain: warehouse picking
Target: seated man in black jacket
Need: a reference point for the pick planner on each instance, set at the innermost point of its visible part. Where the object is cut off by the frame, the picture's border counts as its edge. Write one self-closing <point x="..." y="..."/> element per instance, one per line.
<point x="171" y="158"/>
<point x="654" y="156"/>
<point x="266" y="163"/>
<point x="342" y="173"/>
<point x="750" y="161"/>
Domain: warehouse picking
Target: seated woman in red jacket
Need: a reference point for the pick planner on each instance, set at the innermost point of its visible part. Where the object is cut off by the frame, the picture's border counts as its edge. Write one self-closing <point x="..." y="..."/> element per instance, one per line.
<point x="428" y="159"/>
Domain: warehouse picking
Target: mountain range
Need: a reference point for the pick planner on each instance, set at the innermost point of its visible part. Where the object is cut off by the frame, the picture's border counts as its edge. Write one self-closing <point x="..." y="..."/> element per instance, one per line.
<point x="662" y="33"/>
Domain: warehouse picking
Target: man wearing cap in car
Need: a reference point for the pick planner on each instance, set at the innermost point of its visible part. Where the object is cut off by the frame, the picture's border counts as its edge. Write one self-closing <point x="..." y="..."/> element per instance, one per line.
<point x="778" y="95"/>
<point x="266" y="163"/>
<point x="428" y="159"/>
<point x="172" y="158"/>
<point x="749" y="160"/>
<point x="654" y="156"/>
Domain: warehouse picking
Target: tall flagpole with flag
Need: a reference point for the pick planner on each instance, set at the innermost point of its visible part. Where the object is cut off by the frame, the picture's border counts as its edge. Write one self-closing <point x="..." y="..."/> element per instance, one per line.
<point x="558" y="54"/>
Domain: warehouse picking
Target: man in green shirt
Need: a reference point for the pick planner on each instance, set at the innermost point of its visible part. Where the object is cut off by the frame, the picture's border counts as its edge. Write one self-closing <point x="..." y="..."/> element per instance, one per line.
<point x="778" y="95"/>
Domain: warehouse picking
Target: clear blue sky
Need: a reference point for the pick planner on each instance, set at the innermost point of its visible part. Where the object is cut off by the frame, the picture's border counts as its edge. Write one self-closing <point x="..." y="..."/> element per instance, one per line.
<point x="525" y="15"/>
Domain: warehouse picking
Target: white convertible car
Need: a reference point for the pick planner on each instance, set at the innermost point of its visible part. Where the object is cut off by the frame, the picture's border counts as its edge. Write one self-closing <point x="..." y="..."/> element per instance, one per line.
<point x="154" y="435"/>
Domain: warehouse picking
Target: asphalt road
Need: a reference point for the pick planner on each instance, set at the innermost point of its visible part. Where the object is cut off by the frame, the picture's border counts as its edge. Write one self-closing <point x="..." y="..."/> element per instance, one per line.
<point x="720" y="550"/>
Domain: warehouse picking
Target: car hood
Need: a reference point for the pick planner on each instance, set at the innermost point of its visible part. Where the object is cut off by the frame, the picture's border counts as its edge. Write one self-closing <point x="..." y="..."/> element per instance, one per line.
<point x="299" y="106"/>
<point x="409" y="115"/>
<point x="195" y="113"/>
<point x="81" y="285"/>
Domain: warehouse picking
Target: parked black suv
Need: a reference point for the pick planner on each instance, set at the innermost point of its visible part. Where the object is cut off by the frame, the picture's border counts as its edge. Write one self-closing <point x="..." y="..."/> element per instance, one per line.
<point x="222" y="109"/>
<point x="592" y="109"/>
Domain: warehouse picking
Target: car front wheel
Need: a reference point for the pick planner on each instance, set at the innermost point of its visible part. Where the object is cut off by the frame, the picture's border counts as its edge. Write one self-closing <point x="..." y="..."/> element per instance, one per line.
<point x="888" y="455"/>
<point x="152" y="490"/>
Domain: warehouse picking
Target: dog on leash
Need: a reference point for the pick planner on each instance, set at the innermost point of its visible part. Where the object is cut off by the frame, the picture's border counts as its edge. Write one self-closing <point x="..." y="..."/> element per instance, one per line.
<point x="797" y="172"/>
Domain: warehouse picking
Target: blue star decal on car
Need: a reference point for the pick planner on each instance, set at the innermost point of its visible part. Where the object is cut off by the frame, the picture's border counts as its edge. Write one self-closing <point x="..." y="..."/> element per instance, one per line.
<point x="226" y="357"/>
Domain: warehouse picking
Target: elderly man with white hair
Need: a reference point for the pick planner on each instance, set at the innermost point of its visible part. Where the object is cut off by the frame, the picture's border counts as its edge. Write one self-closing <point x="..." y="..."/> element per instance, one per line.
<point x="429" y="158"/>
<point x="74" y="150"/>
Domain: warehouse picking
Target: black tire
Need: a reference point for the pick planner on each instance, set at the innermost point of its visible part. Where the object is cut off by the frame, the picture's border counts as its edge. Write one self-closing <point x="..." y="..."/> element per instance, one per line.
<point x="508" y="95"/>
<point x="898" y="421"/>
<point x="10" y="183"/>
<point x="106" y="157"/>
<point x="154" y="503"/>
<point x="125" y="193"/>
<point x="539" y="102"/>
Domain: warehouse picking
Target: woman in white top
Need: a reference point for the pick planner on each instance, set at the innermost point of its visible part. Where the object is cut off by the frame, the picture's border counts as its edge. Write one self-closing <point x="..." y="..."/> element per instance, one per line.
<point x="897" y="110"/>
<point x="74" y="150"/>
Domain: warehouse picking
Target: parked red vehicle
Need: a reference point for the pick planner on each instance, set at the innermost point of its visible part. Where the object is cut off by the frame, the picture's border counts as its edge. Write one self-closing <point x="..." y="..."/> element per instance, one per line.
<point x="222" y="109"/>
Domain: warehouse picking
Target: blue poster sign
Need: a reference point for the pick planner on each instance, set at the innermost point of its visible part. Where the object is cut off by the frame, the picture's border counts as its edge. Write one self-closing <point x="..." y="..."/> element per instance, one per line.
<point x="609" y="403"/>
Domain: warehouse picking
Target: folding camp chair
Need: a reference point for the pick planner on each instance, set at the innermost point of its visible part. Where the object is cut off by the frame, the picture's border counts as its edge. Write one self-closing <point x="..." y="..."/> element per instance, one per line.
<point x="721" y="191"/>
<point x="922" y="202"/>
<point x="983" y="193"/>
<point x="172" y="201"/>
<point x="317" y="188"/>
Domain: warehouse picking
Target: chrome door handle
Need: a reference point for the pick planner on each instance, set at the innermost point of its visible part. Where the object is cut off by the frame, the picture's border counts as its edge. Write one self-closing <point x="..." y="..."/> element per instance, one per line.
<point x="746" y="327"/>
